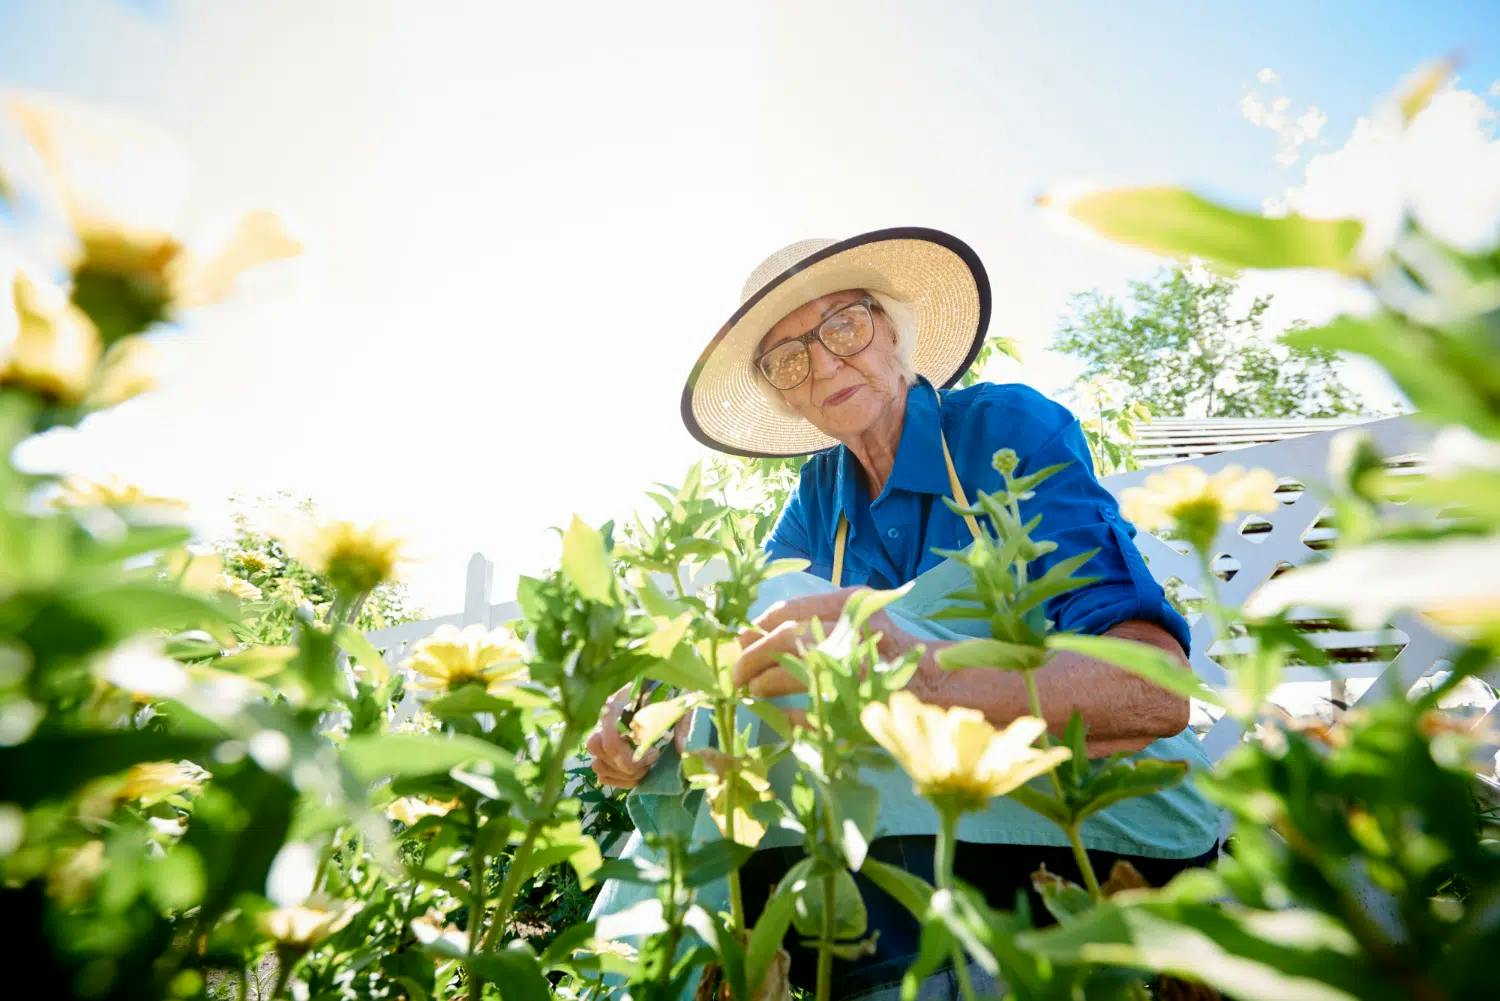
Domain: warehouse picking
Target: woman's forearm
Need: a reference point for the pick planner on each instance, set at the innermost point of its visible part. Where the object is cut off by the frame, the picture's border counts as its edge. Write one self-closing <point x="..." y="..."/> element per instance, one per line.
<point x="1123" y="712"/>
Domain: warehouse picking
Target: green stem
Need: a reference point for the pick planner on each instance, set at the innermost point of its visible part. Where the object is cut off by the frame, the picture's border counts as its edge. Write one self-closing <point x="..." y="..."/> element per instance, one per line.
<point x="825" y="941"/>
<point x="942" y="868"/>
<point x="476" y="901"/>
<point x="830" y="894"/>
<point x="511" y="885"/>
<point x="285" y="960"/>
<point x="724" y="719"/>
<point x="1086" y="867"/>
<point x="1034" y="694"/>
<point x="1090" y="879"/>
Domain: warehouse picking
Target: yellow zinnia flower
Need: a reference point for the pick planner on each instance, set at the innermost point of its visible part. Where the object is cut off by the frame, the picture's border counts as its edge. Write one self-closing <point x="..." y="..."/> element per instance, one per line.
<point x="55" y="349"/>
<point x="253" y="562"/>
<point x="241" y="589"/>
<point x="307" y="924"/>
<point x="451" y="658"/>
<point x="153" y="781"/>
<point x="354" y="558"/>
<point x="410" y="809"/>
<point x="1187" y="498"/>
<point x="112" y="491"/>
<point x="129" y="269"/>
<point x="955" y="754"/>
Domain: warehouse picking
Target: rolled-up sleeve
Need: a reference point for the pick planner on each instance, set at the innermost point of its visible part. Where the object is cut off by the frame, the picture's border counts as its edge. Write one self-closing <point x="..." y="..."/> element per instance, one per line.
<point x="1079" y="514"/>
<point x="789" y="539"/>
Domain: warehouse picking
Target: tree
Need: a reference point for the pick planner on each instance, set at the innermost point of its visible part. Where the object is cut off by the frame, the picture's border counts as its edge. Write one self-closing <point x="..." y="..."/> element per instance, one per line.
<point x="1183" y="349"/>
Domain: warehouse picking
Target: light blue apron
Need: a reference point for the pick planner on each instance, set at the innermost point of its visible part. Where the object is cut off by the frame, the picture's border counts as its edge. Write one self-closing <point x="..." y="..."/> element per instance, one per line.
<point x="1176" y="824"/>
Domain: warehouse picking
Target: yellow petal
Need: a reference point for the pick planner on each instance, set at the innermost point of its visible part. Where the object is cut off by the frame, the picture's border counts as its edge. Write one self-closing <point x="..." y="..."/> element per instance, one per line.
<point x="259" y="239"/>
<point x="56" y="346"/>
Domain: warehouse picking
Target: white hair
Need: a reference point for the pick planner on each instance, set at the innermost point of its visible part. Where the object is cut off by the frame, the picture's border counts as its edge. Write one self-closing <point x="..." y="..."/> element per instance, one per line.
<point x="903" y="322"/>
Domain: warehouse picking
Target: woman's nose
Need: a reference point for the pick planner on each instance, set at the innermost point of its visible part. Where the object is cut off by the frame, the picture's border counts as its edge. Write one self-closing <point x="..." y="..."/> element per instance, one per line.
<point x="824" y="363"/>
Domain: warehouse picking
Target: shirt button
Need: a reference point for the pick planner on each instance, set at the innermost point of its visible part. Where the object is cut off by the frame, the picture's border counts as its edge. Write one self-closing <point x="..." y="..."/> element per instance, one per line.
<point x="893" y="534"/>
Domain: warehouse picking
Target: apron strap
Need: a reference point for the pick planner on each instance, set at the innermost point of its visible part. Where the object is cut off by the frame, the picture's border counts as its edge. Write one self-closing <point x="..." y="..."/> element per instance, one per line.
<point x="841" y="538"/>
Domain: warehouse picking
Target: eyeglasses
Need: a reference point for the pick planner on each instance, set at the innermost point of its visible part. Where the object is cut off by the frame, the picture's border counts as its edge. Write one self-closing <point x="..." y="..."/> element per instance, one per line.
<point x="846" y="331"/>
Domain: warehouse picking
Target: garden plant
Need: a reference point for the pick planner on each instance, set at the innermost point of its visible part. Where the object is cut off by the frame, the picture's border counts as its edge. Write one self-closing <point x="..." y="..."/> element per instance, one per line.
<point x="208" y="793"/>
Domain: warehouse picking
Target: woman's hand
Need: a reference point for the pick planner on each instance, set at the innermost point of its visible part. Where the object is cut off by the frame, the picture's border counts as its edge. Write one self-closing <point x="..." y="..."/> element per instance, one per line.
<point x="614" y="756"/>
<point x="785" y="628"/>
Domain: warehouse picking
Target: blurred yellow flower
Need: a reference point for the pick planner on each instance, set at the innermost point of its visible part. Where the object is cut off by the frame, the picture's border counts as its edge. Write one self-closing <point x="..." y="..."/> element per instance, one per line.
<point x="71" y="880"/>
<point x="434" y="927"/>
<point x="153" y="781"/>
<point x="253" y="562"/>
<point x="129" y="369"/>
<point x="241" y="589"/>
<point x="307" y="924"/>
<point x="355" y="558"/>
<point x="1188" y="498"/>
<point x="451" y="658"/>
<point x="955" y="754"/>
<point x="410" y="809"/>
<point x="129" y="269"/>
<point x="194" y="568"/>
<point x="55" y="349"/>
<point x="112" y="491"/>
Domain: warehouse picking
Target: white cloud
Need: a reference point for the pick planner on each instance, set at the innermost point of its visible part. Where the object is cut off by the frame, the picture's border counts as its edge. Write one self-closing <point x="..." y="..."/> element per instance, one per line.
<point x="1444" y="169"/>
<point x="1292" y="131"/>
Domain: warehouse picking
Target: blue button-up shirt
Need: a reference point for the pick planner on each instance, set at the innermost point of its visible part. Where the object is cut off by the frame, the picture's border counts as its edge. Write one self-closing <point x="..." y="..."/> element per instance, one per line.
<point x="891" y="539"/>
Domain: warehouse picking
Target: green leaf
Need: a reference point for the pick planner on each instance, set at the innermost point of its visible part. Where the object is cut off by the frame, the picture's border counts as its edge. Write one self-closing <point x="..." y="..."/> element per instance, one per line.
<point x="867" y="601"/>
<point x="849" y="917"/>
<point x="991" y="653"/>
<point x="911" y="892"/>
<point x="564" y="841"/>
<point x="1177" y="222"/>
<point x="1142" y="660"/>
<point x="1039" y="802"/>
<point x="779" y="722"/>
<point x="1127" y="780"/>
<point x="403" y="755"/>
<point x="1292" y="955"/>
<point x="685" y="669"/>
<point x="586" y="563"/>
<point x="472" y="698"/>
<point x="668" y="634"/>
<point x="770" y="927"/>
<point x="1064" y="899"/>
<point x="633" y="870"/>
<point x="653" y="721"/>
<point x="856" y="808"/>
<point x="355" y="645"/>
<point x="515" y="970"/>
<point x="716" y="859"/>
<point x="141" y="604"/>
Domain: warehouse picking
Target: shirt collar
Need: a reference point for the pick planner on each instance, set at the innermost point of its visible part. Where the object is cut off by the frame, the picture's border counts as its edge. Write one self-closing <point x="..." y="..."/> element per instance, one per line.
<point x="919" y="466"/>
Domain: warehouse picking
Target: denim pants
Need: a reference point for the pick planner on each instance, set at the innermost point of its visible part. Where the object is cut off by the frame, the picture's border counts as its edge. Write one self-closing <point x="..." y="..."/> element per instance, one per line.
<point x="1000" y="872"/>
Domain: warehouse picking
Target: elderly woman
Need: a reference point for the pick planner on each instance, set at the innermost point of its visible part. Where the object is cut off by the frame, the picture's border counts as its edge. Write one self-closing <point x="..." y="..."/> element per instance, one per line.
<point x="845" y="349"/>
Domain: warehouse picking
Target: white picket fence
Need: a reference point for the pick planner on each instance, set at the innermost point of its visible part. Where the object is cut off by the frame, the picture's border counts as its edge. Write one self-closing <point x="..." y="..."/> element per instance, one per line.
<point x="1249" y="552"/>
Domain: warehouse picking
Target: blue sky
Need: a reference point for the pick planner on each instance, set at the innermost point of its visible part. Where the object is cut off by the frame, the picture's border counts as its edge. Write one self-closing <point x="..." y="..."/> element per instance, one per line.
<point x="523" y="223"/>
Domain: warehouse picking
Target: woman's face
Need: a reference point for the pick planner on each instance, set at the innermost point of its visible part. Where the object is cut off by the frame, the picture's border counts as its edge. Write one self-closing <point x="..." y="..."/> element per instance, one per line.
<point x="842" y="397"/>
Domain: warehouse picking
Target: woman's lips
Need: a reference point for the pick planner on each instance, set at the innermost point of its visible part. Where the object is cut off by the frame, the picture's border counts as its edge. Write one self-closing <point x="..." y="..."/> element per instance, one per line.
<point x="840" y="396"/>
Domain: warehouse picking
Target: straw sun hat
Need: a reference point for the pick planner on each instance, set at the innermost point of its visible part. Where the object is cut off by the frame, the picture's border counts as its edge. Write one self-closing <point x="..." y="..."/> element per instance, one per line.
<point x="936" y="276"/>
